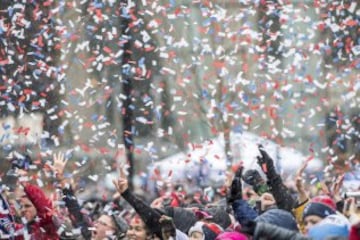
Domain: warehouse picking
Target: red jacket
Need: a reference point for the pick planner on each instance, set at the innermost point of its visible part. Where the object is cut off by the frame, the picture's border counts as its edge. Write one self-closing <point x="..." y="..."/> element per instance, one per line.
<point x="355" y="232"/>
<point x="44" y="228"/>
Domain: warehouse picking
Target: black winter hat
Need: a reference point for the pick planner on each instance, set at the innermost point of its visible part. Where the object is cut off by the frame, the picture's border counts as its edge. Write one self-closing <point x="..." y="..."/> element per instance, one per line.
<point x="317" y="209"/>
<point x="253" y="177"/>
<point x="219" y="216"/>
<point x="183" y="218"/>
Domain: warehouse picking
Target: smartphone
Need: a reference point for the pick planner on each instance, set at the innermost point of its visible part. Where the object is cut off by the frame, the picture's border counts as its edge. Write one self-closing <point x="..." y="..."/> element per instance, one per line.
<point x="258" y="206"/>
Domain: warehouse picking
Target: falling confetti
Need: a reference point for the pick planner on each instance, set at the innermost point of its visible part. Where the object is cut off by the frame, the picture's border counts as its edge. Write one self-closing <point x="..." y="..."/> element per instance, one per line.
<point x="286" y="71"/>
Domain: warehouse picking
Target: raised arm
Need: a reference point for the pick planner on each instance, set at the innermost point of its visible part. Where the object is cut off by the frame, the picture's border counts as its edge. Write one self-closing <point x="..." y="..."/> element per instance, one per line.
<point x="281" y="193"/>
<point x="242" y="210"/>
<point x="44" y="207"/>
<point x="303" y="196"/>
<point x="77" y="218"/>
<point x="150" y="216"/>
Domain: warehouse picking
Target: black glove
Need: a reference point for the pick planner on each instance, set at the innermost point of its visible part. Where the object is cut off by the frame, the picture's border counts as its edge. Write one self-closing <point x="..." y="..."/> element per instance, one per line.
<point x="248" y="227"/>
<point x="236" y="187"/>
<point x="265" y="161"/>
<point x="168" y="228"/>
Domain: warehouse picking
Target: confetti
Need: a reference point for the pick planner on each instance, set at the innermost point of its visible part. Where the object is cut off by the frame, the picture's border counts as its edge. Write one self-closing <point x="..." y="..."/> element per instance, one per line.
<point x="198" y="69"/>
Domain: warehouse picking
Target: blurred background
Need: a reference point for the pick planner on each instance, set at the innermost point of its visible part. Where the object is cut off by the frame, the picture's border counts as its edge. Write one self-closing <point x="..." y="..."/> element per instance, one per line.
<point x="179" y="86"/>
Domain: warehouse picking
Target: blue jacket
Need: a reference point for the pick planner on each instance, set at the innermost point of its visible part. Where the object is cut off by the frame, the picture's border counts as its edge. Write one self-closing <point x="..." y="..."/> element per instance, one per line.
<point x="243" y="212"/>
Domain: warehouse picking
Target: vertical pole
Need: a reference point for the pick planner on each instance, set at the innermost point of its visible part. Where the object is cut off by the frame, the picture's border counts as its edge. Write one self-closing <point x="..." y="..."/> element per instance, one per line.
<point x="127" y="87"/>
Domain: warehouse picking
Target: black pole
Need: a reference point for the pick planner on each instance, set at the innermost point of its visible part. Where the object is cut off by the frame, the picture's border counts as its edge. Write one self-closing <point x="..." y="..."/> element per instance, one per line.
<point x="127" y="87"/>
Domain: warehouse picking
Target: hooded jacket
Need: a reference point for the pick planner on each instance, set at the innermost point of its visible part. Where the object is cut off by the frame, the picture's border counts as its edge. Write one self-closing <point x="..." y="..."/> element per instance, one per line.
<point x="243" y="212"/>
<point x="278" y="217"/>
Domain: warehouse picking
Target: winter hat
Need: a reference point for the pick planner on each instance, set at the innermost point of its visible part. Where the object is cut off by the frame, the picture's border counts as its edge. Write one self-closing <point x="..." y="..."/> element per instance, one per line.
<point x="231" y="236"/>
<point x="209" y="230"/>
<point x="219" y="216"/>
<point x="183" y="218"/>
<point x="337" y="219"/>
<point x="317" y="209"/>
<point x="201" y="214"/>
<point x="279" y="218"/>
<point x="324" y="199"/>
<point x="253" y="178"/>
<point x="331" y="226"/>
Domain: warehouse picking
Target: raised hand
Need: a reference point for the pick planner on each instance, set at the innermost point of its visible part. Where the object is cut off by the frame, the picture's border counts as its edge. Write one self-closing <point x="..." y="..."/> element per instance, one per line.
<point x="236" y="186"/>
<point x="299" y="183"/>
<point x="58" y="166"/>
<point x="121" y="184"/>
<point x="264" y="160"/>
<point x="350" y="207"/>
<point x="336" y="188"/>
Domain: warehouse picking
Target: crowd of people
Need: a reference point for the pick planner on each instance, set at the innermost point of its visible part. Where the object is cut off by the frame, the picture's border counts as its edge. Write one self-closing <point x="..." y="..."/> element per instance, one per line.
<point x="253" y="205"/>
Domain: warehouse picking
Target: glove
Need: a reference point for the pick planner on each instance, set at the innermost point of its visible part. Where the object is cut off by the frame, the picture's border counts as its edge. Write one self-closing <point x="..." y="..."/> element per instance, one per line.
<point x="236" y="187"/>
<point x="248" y="227"/>
<point x="265" y="161"/>
<point x="168" y="228"/>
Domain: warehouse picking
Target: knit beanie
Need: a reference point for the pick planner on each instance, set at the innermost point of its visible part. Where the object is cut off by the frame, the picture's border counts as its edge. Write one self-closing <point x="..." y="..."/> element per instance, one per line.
<point x="279" y="218"/>
<point x="254" y="179"/>
<point x="317" y="209"/>
<point x="231" y="236"/>
<point x="219" y="216"/>
<point x="183" y="218"/>
<point x="324" y="199"/>
<point x="209" y="230"/>
<point x="331" y="226"/>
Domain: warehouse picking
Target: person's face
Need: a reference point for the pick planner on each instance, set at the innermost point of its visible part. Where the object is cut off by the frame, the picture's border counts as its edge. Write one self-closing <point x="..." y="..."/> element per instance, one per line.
<point x="104" y="226"/>
<point x="137" y="230"/>
<point x="310" y="221"/>
<point x="27" y="209"/>
<point x="196" y="236"/>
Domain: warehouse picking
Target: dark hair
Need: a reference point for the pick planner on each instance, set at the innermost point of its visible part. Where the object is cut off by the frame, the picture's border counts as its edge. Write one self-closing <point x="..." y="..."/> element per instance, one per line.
<point x="147" y="229"/>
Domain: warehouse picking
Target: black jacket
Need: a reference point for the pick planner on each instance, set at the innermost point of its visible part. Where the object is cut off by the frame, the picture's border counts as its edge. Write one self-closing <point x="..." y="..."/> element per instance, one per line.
<point x="149" y="215"/>
<point x="183" y="219"/>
